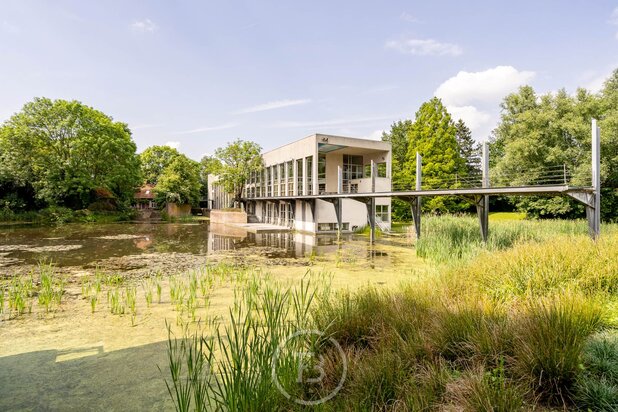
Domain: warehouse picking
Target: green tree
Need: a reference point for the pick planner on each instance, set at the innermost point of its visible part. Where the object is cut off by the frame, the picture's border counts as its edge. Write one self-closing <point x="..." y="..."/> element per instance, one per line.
<point x="208" y="166"/>
<point x="539" y="137"/>
<point x="398" y="137"/>
<point x="433" y="136"/>
<point x="469" y="150"/>
<point x="237" y="161"/>
<point x="154" y="160"/>
<point x="179" y="182"/>
<point x="66" y="150"/>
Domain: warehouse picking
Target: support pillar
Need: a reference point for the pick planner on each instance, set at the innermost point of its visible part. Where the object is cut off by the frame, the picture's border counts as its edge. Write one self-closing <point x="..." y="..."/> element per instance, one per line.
<point x="337" y="202"/>
<point x="371" y="218"/>
<point x="593" y="212"/>
<point x="482" y="201"/>
<point x="415" y="207"/>
<point x="339" y="180"/>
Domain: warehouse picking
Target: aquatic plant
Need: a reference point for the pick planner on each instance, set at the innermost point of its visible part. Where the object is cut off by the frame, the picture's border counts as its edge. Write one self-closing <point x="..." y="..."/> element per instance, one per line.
<point x="93" y="302"/>
<point x="232" y="370"/>
<point x="51" y="287"/>
<point x="131" y="302"/>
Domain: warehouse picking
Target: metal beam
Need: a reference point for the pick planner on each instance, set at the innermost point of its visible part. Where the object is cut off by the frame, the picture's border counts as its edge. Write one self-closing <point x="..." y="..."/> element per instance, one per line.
<point x="482" y="201"/>
<point x="416" y="203"/>
<point x="594" y="213"/>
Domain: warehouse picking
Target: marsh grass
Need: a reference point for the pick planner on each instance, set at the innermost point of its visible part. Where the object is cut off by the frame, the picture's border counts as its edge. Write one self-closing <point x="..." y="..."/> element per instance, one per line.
<point x="238" y="351"/>
<point x="597" y="387"/>
<point x="451" y="239"/>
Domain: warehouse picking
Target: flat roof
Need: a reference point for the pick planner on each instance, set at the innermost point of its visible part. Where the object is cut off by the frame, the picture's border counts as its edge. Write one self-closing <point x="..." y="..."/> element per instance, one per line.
<point x="316" y="135"/>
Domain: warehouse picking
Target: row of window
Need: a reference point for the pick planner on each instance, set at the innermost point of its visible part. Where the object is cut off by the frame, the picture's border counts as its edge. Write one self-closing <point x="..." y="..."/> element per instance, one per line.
<point x="278" y="180"/>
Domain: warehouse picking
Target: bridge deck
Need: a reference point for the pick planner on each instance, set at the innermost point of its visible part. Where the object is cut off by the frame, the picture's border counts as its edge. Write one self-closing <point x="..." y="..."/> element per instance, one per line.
<point x="479" y="191"/>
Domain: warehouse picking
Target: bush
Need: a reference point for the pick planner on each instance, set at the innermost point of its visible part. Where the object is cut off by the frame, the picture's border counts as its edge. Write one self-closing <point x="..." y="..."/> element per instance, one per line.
<point x="597" y="387"/>
<point x="549" y="339"/>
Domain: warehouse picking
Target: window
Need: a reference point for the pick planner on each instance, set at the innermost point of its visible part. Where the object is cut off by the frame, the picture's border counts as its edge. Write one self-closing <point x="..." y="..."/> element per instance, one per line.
<point x="299" y="177"/>
<point x="382" y="170"/>
<point x="269" y="180"/>
<point x="367" y="168"/>
<point x="290" y="172"/>
<point x="352" y="167"/>
<point x="309" y="175"/>
<point x="276" y="180"/>
<point x="329" y="227"/>
<point x="322" y="166"/>
<point x="382" y="213"/>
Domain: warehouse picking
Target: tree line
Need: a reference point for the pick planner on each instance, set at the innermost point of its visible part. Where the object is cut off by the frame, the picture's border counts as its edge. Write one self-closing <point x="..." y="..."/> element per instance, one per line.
<point x="58" y="153"/>
<point x="539" y="139"/>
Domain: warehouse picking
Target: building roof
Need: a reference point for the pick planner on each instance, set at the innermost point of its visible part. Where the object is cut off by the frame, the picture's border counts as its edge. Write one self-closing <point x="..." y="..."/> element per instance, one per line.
<point x="145" y="192"/>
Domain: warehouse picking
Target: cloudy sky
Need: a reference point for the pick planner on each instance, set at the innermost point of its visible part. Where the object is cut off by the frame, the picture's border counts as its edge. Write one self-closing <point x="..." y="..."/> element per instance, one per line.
<point x="197" y="74"/>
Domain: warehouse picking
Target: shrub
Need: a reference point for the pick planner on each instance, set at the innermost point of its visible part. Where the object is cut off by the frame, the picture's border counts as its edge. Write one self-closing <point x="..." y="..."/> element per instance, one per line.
<point x="549" y="337"/>
<point x="597" y="386"/>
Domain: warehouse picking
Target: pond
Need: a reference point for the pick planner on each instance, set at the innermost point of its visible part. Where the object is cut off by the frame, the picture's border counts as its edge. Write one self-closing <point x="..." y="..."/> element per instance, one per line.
<point x="129" y="246"/>
<point x="78" y="356"/>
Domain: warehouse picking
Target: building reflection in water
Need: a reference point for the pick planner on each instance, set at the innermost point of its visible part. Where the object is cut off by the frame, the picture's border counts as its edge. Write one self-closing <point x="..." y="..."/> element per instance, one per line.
<point x="290" y="244"/>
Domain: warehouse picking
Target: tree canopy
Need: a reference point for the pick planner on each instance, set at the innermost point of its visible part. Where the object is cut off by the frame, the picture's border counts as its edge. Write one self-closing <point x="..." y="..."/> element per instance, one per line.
<point x="179" y="182"/>
<point x="433" y="136"/>
<point x="154" y="160"/>
<point x="63" y="152"/>
<point x="236" y="163"/>
<point x="539" y="137"/>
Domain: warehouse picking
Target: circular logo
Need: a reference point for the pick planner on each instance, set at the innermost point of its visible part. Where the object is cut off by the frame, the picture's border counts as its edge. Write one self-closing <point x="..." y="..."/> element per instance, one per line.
<point x="297" y="353"/>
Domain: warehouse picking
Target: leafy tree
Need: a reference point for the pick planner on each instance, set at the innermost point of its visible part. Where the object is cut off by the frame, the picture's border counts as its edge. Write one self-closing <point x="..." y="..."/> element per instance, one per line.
<point x="398" y="137"/>
<point x="208" y="166"/>
<point x="179" y="182"/>
<point x="433" y="135"/>
<point x="65" y="151"/>
<point x="237" y="161"/>
<point x="537" y="135"/>
<point x="154" y="160"/>
<point x="469" y="150"/>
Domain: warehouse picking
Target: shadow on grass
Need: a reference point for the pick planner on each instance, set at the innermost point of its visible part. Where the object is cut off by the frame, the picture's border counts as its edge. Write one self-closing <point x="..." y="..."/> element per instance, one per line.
<point x="86" y="379"/>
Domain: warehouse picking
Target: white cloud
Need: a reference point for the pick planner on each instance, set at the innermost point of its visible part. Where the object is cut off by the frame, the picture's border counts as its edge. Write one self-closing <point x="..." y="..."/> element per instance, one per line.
<point x="173" y="145"/>
<point x="424" y="47"/>
<point x="375" y="135"/>
<point x="486" y="86"/>
<point x="144" y="26"/>
<point x="474" y="118"/>
<point x="278" y="104"/>
<point x="475" y="97"/>
<point x="208" y="128"/>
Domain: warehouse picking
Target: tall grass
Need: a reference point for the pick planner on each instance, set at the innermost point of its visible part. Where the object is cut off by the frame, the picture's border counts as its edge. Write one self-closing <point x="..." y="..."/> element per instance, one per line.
<point x="506" y="331"/>
<point x="235" y="357"/>
<point x="450" y="239"/>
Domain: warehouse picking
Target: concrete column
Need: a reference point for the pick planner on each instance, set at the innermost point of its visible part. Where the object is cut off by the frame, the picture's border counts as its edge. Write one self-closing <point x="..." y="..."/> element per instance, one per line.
<point x="373" y="176"/>
<point x="339" y="180"/>
<point x="314" y="166"/>
<point x="295" y="176"/>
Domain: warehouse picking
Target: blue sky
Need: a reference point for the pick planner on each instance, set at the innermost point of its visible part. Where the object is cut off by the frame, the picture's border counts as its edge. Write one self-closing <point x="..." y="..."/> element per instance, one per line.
<point x="198" y="74"/>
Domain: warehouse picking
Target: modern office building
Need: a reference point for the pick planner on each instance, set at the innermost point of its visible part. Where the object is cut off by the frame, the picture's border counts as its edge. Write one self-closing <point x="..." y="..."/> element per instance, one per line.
<point x="311" y="166"/>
